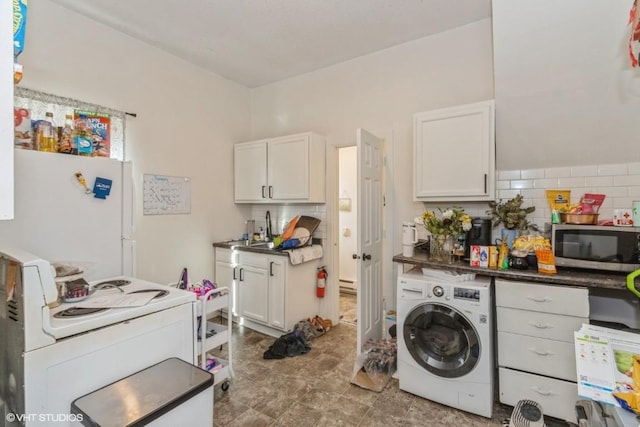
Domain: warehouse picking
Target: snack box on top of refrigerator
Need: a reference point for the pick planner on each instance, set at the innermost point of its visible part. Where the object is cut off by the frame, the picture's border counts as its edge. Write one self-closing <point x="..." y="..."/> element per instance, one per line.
<point x="100" y="126"/>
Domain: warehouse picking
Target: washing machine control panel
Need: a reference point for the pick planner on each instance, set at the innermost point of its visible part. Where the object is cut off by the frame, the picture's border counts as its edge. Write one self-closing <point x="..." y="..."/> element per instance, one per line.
<point x="466" y="294"/>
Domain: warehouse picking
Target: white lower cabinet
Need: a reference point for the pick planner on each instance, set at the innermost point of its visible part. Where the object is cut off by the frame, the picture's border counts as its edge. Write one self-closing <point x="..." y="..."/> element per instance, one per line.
<point x="536" y="350"/>
<point x="557" y="397"/>
<point x="253" y="287"/>
<point x="270" y="294"/>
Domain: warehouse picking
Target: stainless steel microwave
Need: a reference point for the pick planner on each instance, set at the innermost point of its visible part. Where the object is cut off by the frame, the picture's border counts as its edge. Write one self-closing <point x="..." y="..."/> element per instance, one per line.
<point x="596" y="247"/>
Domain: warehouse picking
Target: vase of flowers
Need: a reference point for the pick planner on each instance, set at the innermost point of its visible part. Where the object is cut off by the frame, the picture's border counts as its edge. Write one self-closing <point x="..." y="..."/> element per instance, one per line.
<point x="445" y="230"/>
<point x="513" y="218"/>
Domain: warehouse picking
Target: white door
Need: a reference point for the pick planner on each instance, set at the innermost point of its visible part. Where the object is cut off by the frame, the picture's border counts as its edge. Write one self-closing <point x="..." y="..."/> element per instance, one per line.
<point x="370" y="205"/>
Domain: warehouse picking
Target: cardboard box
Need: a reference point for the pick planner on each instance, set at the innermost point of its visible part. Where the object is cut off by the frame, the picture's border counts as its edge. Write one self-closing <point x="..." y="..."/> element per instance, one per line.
<point x="484" y="256"/>
<point x="474" y="256"/>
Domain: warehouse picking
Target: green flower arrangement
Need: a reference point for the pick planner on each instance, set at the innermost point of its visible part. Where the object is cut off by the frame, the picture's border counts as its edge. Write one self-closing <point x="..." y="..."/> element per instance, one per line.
<point x="452" y="222"/>
<point x="511" y="214"/>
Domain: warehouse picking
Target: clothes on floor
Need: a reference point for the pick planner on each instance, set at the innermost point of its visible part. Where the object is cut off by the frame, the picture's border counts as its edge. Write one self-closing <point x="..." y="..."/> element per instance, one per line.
<point x="288" y="345"/>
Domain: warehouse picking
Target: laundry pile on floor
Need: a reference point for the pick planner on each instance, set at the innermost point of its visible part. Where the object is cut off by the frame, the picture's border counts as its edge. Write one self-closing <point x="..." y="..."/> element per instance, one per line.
<point x="297" y="342"/>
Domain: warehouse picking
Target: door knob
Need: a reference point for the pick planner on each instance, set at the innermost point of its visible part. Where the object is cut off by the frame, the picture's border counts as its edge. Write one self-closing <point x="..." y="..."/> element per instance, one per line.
<point x="355" y="256"/>
<point x="366" y="256"/>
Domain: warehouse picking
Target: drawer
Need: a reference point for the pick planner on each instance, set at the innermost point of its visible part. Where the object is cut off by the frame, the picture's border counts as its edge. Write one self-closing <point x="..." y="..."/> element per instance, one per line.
<point x="253" y="260"/>
<point x="557" y="397"/>
<point x="537" y="355"/>
<point x="543" y="298"/>
<point x="537" y="324"/>
<point x="226" y="255"/>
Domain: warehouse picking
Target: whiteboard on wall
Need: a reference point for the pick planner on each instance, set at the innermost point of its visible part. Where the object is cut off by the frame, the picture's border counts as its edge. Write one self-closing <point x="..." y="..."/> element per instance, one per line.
<point x="166" y="195"/>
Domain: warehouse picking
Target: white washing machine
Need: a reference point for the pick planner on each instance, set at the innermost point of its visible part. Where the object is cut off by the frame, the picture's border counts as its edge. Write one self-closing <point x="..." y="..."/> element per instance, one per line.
<point x="445" y="341"/>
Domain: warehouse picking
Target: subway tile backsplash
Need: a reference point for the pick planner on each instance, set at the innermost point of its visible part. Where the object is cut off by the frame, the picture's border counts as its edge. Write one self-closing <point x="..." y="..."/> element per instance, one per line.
<point x="282" y="214"/>
<point x="619" y="182"/>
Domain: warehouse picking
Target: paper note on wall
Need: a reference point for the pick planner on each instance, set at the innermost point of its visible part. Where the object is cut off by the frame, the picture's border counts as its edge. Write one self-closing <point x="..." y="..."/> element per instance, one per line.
<point x="166" y="195"/>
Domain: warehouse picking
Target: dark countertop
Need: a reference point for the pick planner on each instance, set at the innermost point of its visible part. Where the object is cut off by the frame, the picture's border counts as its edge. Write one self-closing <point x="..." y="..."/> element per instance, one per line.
<point x="239" y="245"/>
<point x="565" y="276"/>
<point x="256" y="249"/>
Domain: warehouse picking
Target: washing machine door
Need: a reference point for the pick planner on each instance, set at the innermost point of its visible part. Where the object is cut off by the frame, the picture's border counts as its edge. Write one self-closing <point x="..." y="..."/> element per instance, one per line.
<point x="441" y="340"/>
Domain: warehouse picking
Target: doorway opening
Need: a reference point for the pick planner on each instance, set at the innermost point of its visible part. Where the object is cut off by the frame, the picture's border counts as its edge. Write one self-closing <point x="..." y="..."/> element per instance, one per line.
<point x="348" y="233"/>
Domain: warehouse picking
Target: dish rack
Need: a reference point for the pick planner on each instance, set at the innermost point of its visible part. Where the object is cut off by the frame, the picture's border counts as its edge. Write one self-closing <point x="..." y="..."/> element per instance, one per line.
<point x="212" y="335"/>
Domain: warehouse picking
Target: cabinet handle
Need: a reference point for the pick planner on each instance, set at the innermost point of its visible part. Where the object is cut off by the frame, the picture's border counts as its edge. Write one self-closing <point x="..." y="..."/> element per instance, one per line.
<point x="485" y="183"/>
<point x="541" y="391"/>
<point x="541" y="353"/>
<point x="234" y="272"/>
<point x="264" y="187"/>
<point x="241" y="274"/>
<point x="366" y="257"/>
<point x="271" y="191"/>
<point x="539" y="325"/>
<point x="271" y="268"/>
<point x="543" y="299"/>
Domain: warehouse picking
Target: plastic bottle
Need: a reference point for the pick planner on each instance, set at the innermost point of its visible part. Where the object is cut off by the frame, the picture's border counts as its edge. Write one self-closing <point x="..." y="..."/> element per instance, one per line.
<point x="66" y="143"/>
<point x="46" y="140"/>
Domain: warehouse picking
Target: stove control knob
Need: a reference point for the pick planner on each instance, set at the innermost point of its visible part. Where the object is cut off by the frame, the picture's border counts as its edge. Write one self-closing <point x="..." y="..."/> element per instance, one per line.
<point x="438" y="291"/>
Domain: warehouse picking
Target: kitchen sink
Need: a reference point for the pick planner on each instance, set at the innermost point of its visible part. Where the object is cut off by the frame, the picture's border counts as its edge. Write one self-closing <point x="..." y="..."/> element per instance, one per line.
<point x="251" y="244"/>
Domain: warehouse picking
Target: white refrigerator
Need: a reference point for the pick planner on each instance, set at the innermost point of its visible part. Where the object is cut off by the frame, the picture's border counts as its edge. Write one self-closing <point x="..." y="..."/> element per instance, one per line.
<point x="59" y="220"/>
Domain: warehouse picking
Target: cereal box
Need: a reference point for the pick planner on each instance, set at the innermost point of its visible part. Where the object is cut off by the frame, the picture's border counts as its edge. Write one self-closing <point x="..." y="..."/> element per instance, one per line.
<point x="100" y="125"/>
<point x="22" y="128"/>
<point x="19" y="25"/>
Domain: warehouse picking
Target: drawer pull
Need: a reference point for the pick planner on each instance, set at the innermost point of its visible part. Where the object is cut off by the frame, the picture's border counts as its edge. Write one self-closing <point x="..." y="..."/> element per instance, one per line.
<point x="543" y="299"/>
<point x="541" y="391"/>
<point x="412" y="291"/>
<point x="539" y="325"/>
<point x="541" y="353"/>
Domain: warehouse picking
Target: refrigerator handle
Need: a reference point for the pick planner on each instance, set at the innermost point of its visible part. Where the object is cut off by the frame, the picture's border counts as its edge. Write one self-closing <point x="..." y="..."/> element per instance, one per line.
<point x="129" y="266"/>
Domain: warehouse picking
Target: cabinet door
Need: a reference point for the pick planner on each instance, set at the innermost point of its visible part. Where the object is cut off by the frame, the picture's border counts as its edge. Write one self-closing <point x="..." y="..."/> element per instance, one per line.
<point x="277" y="301"/>
<point x="454" y="153"/>
<point x="288" y="168"/>
<point x="250" y="171"/>
<point x="6" y="124"/>
<point x="226" y="277"/>
<point x="253" y="295"/>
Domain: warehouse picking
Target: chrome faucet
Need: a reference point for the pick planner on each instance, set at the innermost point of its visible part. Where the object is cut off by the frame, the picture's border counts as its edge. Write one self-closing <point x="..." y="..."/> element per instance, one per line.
<point x="268" y="225"/>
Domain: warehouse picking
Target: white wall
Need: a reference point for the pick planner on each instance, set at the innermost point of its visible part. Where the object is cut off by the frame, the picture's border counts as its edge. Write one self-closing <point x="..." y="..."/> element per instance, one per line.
<point x="187" y="121"/>
<point x="381" y="92"/>
<point x="348" y="188"/>
<point x="566" y="94"/>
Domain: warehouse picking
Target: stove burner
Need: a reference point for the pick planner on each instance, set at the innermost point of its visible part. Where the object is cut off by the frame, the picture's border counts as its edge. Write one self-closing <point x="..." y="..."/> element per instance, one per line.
<point x="77" y="311"/>
<point x="161" y="292"/>
<point x="110" y="284"/>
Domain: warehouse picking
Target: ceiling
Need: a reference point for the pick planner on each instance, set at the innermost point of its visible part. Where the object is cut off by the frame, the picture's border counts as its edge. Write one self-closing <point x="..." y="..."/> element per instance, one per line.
<point x="256" y="42"/>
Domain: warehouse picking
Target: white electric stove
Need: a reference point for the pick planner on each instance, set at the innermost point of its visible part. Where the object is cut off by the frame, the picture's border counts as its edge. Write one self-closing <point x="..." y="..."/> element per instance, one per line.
<point x="55" y="355"/>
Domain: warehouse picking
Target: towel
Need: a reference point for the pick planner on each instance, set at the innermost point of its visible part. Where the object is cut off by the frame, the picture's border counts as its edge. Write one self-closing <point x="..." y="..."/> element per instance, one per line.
<point x="304" y="254"/>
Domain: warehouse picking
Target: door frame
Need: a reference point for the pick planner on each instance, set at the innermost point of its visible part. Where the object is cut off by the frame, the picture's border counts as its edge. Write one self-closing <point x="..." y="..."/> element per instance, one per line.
<point x="330" y="305"/>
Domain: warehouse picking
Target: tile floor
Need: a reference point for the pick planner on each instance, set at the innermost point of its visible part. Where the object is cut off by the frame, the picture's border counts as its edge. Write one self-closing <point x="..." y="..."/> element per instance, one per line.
<point x="348" y="308"/>
<point x="314" y="389"/>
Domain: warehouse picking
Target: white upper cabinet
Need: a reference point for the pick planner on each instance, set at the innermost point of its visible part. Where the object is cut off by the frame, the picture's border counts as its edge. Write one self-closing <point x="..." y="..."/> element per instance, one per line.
<point x="279" y="170"/>
<point x="250" y="171"/>
<point x="454" y="153"/>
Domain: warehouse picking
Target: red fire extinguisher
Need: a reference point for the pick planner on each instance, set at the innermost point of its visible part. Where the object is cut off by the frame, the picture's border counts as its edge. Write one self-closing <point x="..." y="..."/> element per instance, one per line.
<point x="321" y="282"/>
